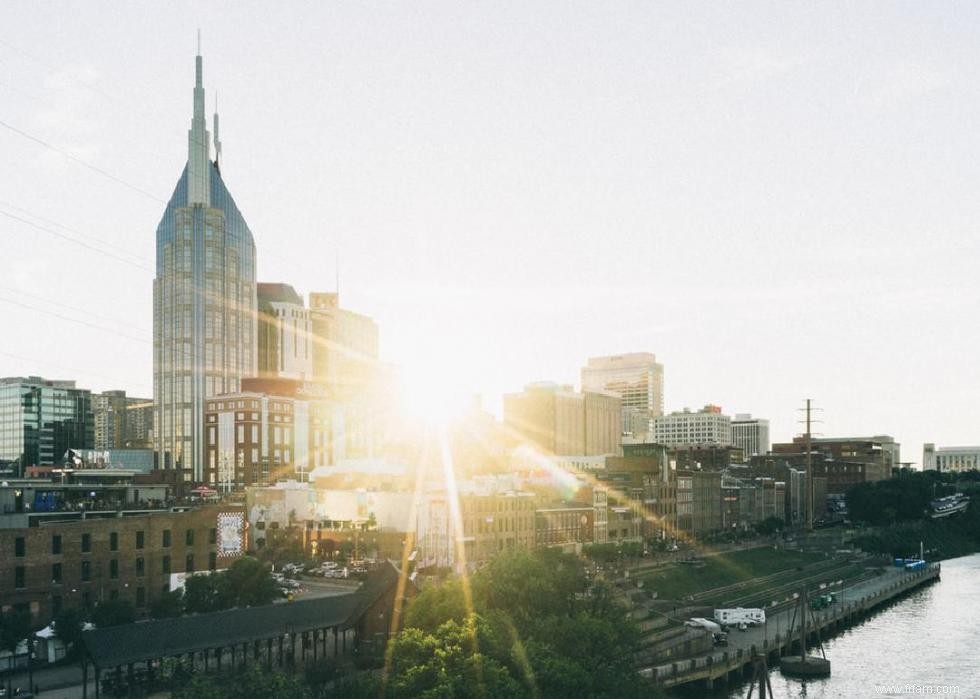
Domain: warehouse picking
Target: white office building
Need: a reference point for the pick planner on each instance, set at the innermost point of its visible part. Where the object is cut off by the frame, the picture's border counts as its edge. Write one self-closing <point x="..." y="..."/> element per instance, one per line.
<point x="637" y="379"/>
<point x="750" y="434"/>
<point x="948" y="459"/>
<point x="684" y="428"/>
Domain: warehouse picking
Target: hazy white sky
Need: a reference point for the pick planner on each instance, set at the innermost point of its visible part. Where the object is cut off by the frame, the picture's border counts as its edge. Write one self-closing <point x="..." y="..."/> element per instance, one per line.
<point x="778" y="199"/>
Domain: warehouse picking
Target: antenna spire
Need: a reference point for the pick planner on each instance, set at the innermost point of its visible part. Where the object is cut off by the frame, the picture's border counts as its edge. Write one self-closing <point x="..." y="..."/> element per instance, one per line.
<point x="217" y="140"/>
<point x="199" y="142"/>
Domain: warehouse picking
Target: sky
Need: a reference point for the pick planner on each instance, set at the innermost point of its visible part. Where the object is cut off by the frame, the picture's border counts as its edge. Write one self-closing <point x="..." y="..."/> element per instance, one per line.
<point x="777" y="199"/>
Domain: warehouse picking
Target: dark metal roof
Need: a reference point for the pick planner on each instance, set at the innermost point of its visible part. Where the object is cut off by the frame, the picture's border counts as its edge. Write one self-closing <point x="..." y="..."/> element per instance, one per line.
<point x="131" y="643"/>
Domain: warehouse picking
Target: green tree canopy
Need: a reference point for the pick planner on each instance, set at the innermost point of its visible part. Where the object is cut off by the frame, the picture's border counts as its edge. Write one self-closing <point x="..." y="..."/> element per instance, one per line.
<point x="113" y="612"/>
<point x="167" y="605"/>
<point x="533" y="626"/>
<point x="68" y="626"/>
<point x="247" y="583"/>
<point x="15" y="626"/>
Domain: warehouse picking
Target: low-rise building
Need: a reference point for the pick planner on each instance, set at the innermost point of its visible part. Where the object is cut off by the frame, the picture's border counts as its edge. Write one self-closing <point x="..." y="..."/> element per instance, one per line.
<point x="54" y="560"/>
<point x="468" y="529"/>
<point x="699" y="502"/>
<point x="950" y="459"/>
<point x="563" y="523"/>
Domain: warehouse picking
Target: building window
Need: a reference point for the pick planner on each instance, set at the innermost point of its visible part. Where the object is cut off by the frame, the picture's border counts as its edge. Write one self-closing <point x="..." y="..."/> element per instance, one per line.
<point x="20" y="547"/>
<point x="189" y="563"/>
<point x="86" y="543"/>
<point x="56" y="544"/>
<point x="114" y="541"/>
<point x="140" y="597"/>
<point x="86" y="571"/>
<point x="140" y="567"/>
<point x="56" y="573"/>
<point x="165" y="565"/>
<point x="189" y="537"/>
<point x="166" y="538"/>
<point x="114" y="568"/>
<point x="140" y="539"/>
<point x="212" y="561"/>
<point x="19" y="578"/>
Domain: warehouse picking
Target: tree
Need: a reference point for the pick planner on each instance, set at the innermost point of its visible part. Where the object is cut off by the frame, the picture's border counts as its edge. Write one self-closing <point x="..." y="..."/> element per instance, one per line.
<point x="449" y="662"/>
<point x="167" y="605"/>
<point x="68" y="627"/>
<point x="203" y="593"/>
<point x="769" y="526"/>
<point x="254" y="682"/>
<point x="15" y="626"/>
<point x="249" y="583"/>
<point x="532" y="626"/>
<point x="113" y="612"/>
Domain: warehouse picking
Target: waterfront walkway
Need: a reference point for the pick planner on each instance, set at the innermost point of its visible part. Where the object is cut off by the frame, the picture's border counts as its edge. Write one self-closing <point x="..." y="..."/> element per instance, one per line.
<point x="777" y="636"/>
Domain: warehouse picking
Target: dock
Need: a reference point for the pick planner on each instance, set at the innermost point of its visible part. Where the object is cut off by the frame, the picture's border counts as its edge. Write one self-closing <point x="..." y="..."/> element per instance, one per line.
<point x="775" y="638"/>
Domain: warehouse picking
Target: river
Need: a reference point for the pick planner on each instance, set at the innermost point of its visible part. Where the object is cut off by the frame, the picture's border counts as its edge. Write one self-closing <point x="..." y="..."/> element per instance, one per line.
<point x="927" y="643"/>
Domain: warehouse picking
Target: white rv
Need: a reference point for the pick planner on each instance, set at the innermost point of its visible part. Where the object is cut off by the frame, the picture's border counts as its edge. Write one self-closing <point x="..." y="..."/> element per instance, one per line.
<point x="734" y="617"/>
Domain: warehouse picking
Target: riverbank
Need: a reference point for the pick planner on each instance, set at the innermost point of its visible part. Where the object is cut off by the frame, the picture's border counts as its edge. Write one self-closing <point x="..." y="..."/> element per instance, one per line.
<point x="776" y="638"/>
<point x="944" y="538"/>
<point x="924" y="642"/>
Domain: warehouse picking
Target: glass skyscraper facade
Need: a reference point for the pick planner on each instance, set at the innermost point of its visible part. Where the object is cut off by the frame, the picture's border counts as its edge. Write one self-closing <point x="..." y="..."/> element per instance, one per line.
<point x="40" y="420"/>
<point x="204" y="302"/>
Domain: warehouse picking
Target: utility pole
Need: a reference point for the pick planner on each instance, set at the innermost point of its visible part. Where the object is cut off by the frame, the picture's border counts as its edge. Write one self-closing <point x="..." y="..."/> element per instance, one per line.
<point x="809" y="471"/>
<point x="808" y="501"/>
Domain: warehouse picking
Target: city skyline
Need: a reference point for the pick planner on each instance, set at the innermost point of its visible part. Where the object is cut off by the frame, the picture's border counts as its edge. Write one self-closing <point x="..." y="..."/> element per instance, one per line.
<point x="417" y="269"/>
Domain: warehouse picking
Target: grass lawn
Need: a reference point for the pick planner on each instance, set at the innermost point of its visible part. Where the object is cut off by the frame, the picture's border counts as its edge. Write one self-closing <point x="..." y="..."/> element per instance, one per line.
<point x="679" y="581"/>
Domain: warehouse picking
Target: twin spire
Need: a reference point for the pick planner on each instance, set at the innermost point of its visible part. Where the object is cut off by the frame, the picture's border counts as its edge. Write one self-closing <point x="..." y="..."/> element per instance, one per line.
<point x="199" y="141"/>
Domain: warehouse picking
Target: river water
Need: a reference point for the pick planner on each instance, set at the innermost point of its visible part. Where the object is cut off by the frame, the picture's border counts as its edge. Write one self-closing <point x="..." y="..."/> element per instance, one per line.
<point x="927" y="643"/>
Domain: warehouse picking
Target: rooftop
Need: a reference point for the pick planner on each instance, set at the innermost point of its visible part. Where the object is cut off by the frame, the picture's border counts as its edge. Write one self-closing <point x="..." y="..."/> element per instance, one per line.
<point x="130" y="643"/>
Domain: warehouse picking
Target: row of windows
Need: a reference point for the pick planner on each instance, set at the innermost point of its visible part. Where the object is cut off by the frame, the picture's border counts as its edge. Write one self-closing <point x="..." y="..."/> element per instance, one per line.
<point x="20" y="543"/>
<point x="85" y="572"/>
<point x="57" y="602"/>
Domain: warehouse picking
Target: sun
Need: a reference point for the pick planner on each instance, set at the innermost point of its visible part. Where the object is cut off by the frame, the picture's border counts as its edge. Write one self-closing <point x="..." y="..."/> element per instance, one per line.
<point x="431" y="393"/>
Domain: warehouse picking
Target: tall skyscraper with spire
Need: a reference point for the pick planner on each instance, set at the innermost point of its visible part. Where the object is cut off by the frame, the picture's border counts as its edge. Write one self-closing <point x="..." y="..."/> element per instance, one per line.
<point x="204" y="303"/>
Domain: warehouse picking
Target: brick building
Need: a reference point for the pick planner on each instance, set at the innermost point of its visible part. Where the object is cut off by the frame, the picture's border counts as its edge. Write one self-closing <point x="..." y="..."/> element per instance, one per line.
<point x="62" y="560"/>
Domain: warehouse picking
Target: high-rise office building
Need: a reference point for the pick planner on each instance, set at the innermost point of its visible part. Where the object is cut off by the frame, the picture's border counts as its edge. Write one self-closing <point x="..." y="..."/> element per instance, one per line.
<point x="750" y="434"/>
<point x="109" y="411"/>
<point x="637" y="379"/>
<point x="562" y="422"/>
<point x="204" y="303"/>
<point x="345" y="347"/>
<point x="285" y="333"/>
<point x="118" y="421"/>
<point x="40" y="420"/>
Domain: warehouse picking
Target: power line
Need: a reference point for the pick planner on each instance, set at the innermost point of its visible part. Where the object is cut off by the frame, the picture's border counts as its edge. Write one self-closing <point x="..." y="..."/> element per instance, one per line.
<point x="94" y="326"/>
<point x="62" y="226"/>
<point x="90" y="166"/>
<point x="72" y="308"/>
<point x="76" y="241"/>
<point x="75" y="370"/>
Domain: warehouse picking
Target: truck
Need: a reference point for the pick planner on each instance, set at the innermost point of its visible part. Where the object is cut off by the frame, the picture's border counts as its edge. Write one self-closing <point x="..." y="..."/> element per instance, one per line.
<point x="823" y="601"/>
<point x="740" y="615"/>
